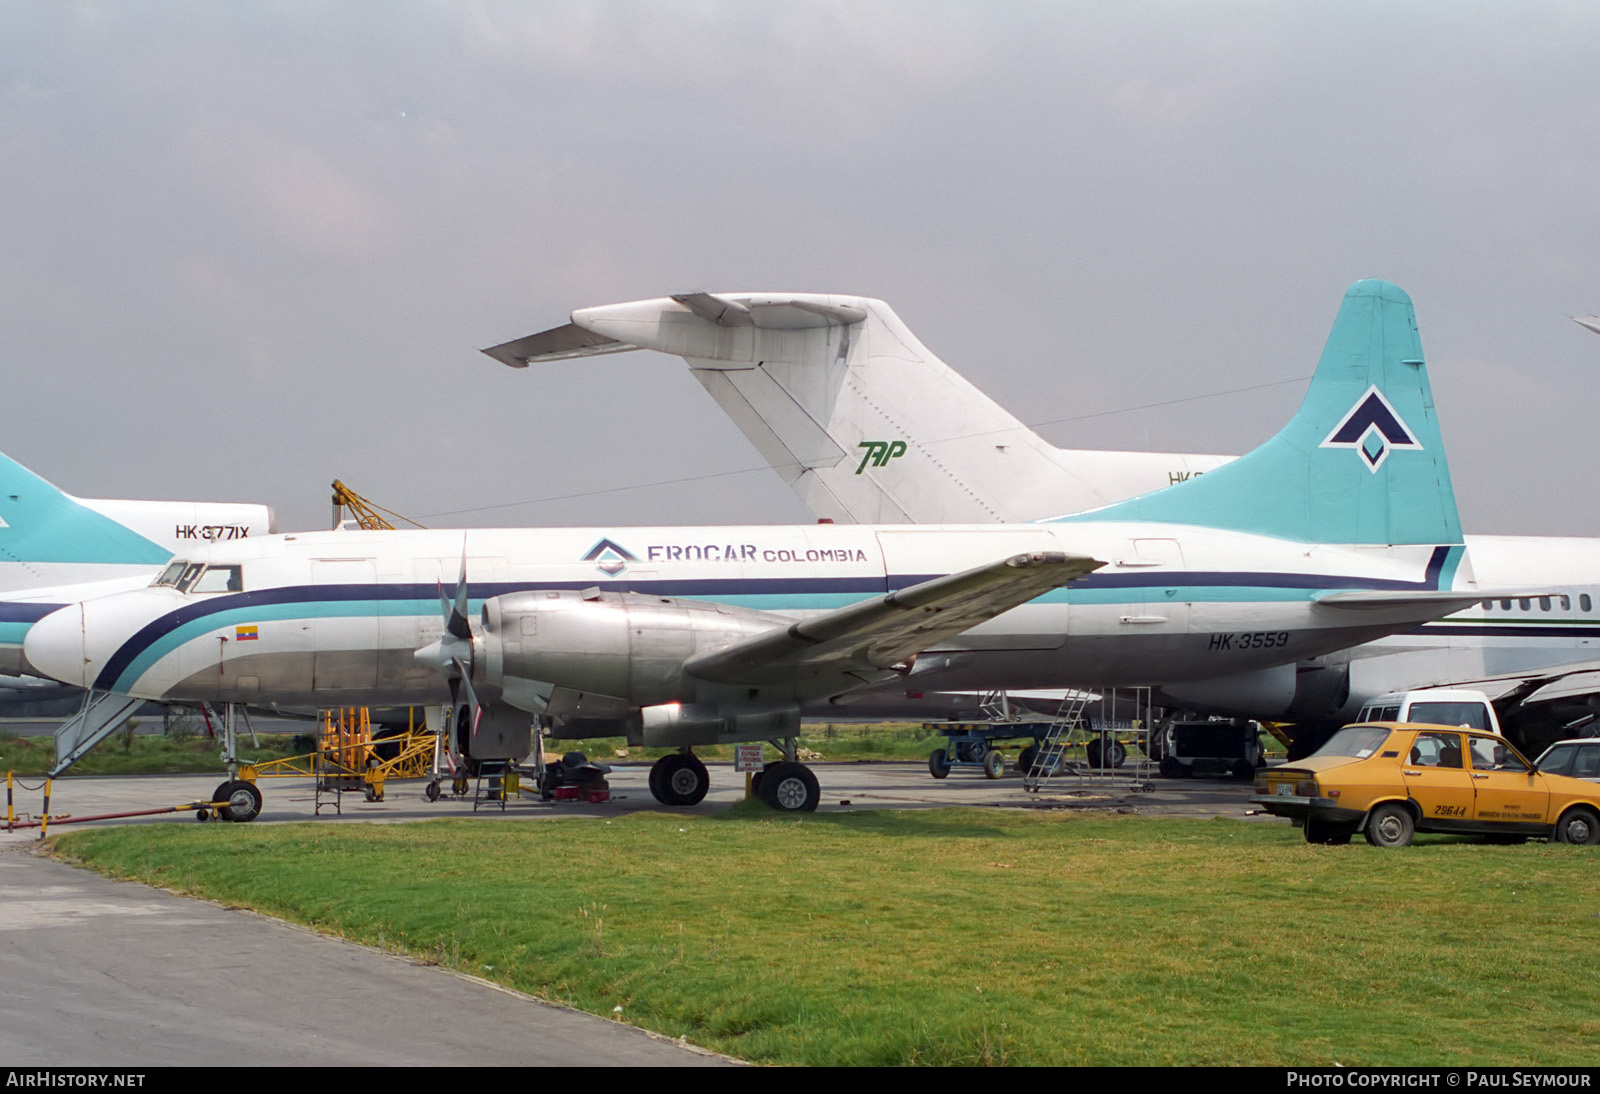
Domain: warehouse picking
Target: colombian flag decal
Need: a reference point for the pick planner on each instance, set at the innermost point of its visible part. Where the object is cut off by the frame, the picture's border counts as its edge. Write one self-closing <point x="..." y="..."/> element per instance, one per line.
<point x="245" y="634"/>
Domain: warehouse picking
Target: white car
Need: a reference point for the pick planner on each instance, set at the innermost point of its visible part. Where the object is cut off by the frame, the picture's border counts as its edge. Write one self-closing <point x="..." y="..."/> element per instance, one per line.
<point x="1578" y="758"/>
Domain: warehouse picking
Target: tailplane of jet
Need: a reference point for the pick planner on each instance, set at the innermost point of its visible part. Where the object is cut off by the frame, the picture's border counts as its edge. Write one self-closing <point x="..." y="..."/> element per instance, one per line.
<point x="860" y="418"/>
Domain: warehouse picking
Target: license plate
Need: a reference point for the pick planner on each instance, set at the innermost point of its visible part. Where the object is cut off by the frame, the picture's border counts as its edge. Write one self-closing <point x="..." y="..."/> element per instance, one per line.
<point x="1285" y="790"/>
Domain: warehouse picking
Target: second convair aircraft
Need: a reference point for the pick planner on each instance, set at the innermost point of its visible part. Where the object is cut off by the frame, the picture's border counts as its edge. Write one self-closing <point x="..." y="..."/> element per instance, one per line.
<point x="1340" y="529"/>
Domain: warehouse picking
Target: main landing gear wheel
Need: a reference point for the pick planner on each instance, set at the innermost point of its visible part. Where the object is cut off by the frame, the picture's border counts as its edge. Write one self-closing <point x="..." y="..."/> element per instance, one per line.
<point x="791" y="787"/>
<point x="938" y="763"/>
<point x="243" y="801"/>
<point x="679" y="779"/>
<point x="431" y="791"/>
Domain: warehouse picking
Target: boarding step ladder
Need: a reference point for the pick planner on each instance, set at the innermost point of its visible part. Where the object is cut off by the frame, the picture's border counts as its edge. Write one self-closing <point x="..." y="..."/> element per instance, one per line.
<point x="497" y="774"/>
<point x="1048" y="754"/>
<point x="102" y="714"/>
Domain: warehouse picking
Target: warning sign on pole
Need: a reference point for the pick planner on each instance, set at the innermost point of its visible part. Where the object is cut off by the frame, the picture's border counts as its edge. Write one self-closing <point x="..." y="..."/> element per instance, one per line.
<point x="747" y="757"/>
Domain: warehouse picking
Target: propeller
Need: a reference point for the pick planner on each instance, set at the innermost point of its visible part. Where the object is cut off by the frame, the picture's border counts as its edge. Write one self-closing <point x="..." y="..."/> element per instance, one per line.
<point x="453" y="654"/>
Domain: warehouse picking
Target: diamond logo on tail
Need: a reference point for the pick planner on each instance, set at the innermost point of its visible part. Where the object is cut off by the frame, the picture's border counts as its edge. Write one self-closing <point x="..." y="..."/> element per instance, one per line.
<point x="1374" y="429"/>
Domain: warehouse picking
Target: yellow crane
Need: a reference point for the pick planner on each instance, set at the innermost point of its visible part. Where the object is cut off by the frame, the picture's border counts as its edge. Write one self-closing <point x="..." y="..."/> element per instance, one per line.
<point x="366" y="513"/>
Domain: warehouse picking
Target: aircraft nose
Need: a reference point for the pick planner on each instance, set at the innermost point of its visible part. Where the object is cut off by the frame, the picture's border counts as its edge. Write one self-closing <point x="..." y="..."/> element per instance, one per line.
<point x="54" y="646"/>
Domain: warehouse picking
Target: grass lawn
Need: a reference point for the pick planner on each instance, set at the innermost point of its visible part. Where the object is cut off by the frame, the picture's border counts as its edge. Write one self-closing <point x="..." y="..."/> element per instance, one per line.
<point x="953" y="936"/>
<point x="137" y="754"/>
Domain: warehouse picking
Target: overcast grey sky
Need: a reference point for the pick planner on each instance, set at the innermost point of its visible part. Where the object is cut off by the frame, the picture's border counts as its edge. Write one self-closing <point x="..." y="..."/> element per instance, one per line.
<point x="247" y="248"/>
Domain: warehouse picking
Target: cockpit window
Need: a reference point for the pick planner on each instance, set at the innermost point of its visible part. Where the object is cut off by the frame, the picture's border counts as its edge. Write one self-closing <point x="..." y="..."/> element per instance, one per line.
<point x="218" y="579"/>
<point x="169" y="577"/>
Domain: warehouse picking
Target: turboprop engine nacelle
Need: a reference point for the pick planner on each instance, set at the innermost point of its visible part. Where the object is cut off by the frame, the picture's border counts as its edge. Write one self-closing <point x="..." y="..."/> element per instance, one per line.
<point x="630" y="646"/>
<point x="674" y="725"/>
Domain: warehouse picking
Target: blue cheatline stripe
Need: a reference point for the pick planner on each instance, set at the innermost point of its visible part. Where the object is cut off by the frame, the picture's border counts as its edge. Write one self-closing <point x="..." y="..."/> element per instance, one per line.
<point x="165" y="633"/>
<point x="17" y="619"/>
<point x="1478" y="628"/>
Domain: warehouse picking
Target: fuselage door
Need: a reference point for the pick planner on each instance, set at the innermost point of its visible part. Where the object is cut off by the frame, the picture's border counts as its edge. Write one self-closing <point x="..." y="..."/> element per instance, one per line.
<point x="345" y="625"/>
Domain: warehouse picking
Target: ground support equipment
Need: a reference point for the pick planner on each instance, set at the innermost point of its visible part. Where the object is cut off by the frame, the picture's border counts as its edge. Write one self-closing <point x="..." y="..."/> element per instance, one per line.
<point x="977" y="745"/>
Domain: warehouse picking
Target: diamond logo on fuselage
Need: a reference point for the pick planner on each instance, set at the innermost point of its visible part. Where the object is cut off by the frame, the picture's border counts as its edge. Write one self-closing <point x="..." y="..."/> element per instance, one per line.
<point x="610" y="558"/>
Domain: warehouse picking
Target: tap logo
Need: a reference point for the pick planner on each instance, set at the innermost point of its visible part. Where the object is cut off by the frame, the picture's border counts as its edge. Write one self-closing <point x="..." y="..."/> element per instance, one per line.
<point x="610" y="558"/>
<point x="879" y="453"/>
<point x="1374" y="429"/>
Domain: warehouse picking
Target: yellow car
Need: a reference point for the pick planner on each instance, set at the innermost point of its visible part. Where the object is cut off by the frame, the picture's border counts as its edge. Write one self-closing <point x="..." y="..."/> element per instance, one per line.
<point x="1390" y="780"/>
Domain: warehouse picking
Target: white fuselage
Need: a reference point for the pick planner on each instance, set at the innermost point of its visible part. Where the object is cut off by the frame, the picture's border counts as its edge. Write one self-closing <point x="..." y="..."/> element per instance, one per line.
<point x="335" y="618"/>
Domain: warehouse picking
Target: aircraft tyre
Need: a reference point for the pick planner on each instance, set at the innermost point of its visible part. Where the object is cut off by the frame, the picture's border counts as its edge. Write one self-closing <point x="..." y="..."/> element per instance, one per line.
<point x="244" y="801"/>
<point x="791" y="787"/>
<point x="1327" y="832"/>
<point x="1578" y="825"/>
<point x="431" y="791"/>
<point x="994" y="764"/>
<point x="1030" y="756"/>
<point x="1391" y="825"/>
<point x="1105" y="752"/>
<point x="679" y="779"/>
<point x="938" y="763"/>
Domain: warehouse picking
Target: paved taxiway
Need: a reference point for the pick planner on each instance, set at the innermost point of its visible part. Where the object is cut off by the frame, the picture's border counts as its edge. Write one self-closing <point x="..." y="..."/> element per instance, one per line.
<point x="101" y="973"/>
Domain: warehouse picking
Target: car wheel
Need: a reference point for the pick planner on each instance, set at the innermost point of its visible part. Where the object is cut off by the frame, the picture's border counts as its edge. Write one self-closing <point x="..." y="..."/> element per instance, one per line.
<point x="1390" y="825"/>
<point x="1578" y="826"/>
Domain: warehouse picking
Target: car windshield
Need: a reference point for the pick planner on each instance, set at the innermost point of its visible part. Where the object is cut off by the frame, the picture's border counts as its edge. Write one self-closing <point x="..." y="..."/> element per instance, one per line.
<point x="1558" y="761"/>
<point x="1358" y="742"/>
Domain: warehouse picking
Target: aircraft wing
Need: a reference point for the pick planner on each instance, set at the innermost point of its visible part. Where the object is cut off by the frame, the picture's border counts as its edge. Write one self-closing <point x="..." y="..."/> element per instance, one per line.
<point x="886" y="632"/>
<point x="1539" y="685"/>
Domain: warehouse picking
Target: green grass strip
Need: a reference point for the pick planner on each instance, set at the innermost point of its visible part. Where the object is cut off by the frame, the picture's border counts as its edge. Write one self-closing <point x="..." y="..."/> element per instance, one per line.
<point x="953" y="936"/>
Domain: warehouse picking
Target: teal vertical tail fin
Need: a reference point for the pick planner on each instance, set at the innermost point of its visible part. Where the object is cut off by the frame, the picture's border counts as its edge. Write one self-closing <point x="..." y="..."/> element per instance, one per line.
<point x="1362" y="460"/>
<point x="40" y="523"/>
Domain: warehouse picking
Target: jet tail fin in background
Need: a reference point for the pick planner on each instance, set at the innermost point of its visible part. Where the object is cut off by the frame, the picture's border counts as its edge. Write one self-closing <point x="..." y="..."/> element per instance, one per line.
<point x="40" y="523"/>
<point x="1362" y="461"/>
<point x="855" y="413"/>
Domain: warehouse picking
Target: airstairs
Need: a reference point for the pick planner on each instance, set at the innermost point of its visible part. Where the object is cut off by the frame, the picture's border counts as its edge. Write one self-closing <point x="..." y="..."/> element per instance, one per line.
<point x="102" y="714"/>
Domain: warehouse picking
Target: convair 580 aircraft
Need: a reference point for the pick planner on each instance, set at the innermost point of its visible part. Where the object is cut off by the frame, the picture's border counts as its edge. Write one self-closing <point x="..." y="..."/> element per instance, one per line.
<point x="866" y="425"/>
<point x="1340" y="529"/>
<point x="56" y="549"/>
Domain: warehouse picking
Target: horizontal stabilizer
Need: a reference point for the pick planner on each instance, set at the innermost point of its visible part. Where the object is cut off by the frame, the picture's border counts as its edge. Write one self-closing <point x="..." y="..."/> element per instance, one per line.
<point x="770" y="313"/>
<point x="885" y="632"/>
<point x="556" y="344"/>
<point x="1447" y="600"/>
